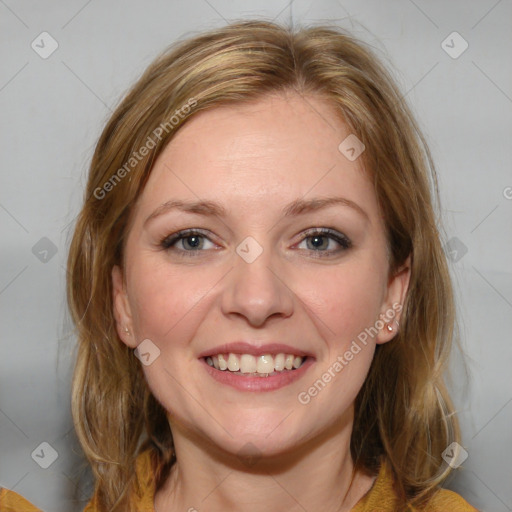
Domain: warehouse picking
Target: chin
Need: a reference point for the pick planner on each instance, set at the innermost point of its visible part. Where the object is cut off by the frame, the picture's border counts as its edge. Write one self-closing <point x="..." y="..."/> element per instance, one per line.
<point x="260" y="435"/>
<point x="252" y="449"/>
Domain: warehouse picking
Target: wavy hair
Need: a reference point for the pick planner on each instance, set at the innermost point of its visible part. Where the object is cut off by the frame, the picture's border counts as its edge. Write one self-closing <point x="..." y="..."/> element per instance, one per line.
<point x="403" y="411"/>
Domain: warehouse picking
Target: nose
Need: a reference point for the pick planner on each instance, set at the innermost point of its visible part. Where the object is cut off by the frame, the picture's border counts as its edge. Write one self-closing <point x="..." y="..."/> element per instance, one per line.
<point x="257" y="291"/>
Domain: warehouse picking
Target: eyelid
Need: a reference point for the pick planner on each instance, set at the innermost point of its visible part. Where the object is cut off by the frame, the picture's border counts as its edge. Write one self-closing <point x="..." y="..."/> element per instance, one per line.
<point x="340" y="238"/>
<point x="184" y="233"/>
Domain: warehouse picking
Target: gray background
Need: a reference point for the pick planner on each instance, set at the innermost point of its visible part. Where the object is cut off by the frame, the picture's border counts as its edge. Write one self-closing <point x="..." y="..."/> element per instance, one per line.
<point x="53" y="110"/>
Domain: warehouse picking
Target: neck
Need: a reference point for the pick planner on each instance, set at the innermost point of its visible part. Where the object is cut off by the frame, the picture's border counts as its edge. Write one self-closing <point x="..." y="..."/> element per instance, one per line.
<point x="318" y="475"/>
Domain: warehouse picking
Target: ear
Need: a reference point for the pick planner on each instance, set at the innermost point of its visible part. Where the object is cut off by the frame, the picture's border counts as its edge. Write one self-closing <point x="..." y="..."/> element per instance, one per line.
<point x="122" y="312"/>
<point x="392" y="306"/>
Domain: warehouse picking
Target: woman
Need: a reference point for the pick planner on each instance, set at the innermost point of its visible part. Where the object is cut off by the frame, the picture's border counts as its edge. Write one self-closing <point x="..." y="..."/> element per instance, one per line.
<point x="263" y="307"/>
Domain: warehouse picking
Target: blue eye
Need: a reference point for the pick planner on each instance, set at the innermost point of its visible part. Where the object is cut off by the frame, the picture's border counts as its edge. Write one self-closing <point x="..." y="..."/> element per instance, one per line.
<point x="195" y="241"/>
<point x="320" y="239"/>
<point x="192" y="241"/>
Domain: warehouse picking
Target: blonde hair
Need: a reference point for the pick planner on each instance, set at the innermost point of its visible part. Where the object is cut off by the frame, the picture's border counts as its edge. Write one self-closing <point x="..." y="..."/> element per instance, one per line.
<point x="403" y="412"/>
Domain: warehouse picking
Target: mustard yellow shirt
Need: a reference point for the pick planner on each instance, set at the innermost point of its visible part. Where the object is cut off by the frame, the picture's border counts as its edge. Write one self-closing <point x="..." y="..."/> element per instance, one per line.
<point x="380" y="498"/>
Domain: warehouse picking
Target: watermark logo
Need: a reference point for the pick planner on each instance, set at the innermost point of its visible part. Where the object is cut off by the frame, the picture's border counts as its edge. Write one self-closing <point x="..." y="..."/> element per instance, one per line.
<point x="454" y="45"/>
<point x="151" y="142"/>
<point x="44" y="45"/>
<point x="249" y="454"/>
<point x="249" y="249"/>
<point x="147" y="352"/>
<point x="44" y="250"/>
<point x="45" y="455"/>
<point x="351" y="147"/>
<point x="304" y="397"/>
<point x="454" y="455"/>
<point x="455" y="250"/>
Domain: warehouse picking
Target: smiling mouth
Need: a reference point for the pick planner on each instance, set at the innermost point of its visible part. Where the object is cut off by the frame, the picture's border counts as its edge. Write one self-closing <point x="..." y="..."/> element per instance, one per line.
<point x="248" y="365"/>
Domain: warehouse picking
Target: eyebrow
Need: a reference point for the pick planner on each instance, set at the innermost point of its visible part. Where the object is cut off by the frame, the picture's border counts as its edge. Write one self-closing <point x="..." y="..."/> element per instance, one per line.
<point x="297" y="207"/>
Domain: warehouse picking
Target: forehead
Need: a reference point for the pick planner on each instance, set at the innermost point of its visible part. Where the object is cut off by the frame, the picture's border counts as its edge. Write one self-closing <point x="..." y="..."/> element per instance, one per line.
<point x="271" y="151"/>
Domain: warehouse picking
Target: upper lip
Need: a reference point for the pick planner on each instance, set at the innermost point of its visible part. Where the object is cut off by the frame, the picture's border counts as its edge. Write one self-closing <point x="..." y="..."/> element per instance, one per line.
<point x="255" y="349"/>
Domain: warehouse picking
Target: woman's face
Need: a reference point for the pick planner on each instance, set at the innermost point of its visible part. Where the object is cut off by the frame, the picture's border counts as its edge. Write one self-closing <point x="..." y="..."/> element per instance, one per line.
<point x="256" y="287"/>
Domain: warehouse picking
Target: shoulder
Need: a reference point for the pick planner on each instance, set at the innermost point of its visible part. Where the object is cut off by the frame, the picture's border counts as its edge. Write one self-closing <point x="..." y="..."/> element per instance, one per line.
<point x="11" y="501"/>
<point x="381" y="497"/>
<point x="449" y="500"/>
<point x="143" y="496"/>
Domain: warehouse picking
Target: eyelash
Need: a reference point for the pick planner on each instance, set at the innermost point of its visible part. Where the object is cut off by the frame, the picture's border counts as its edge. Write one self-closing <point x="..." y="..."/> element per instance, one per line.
<point x="345" y="243"/>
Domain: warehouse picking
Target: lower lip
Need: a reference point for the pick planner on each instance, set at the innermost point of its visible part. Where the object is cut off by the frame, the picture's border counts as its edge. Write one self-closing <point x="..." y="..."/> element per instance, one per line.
<point x="271" y="383"/>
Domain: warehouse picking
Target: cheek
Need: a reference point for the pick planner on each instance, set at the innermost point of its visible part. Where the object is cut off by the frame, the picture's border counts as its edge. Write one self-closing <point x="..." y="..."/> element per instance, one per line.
<point x="168" y="303"/>
<point x="346" y="299"/>
<point x="162" y="297"/>
<point x="345" y="304"/>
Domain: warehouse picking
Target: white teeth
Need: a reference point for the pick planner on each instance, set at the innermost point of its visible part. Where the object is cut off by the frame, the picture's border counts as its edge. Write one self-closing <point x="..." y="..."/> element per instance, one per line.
<point x="265" y="364"/>
<point x="261" y="366"/>
<point x="279" y="362"/>
<point x="247" y="363"/>
<point x="233" y="363"/>
<point x="223" y="364"/>
<point x="296" y="362"/>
